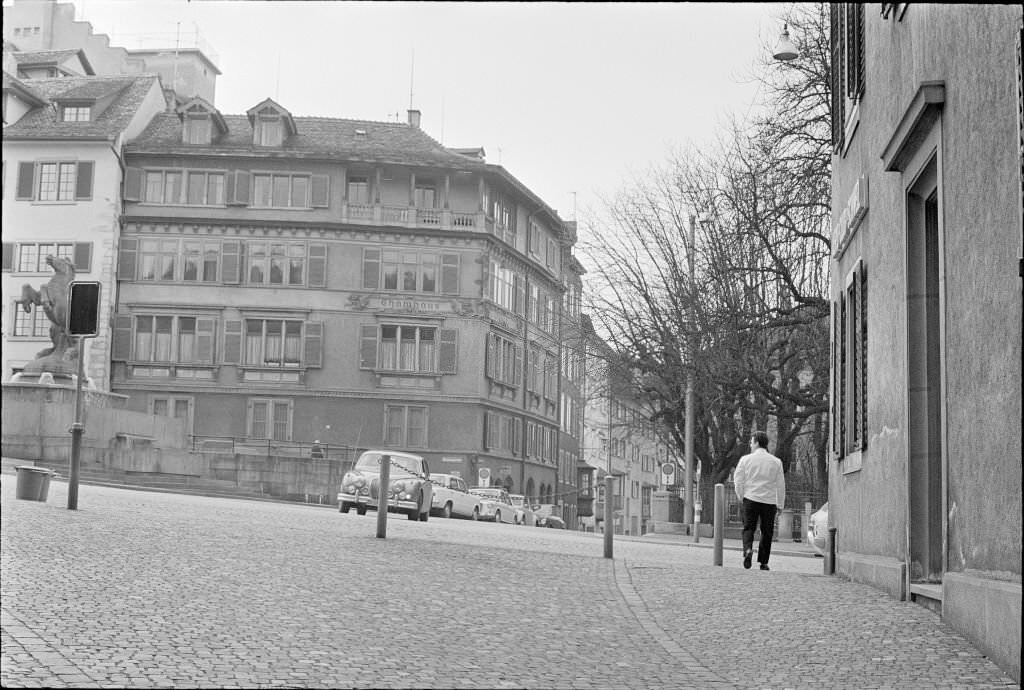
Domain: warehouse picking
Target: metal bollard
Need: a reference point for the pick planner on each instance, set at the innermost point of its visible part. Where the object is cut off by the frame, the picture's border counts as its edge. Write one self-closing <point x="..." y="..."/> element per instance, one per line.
<point x="382" y="497"/>
<point x="609" y="516"/>
<point x="830" y="554"/>
<point x="719" y="522"/>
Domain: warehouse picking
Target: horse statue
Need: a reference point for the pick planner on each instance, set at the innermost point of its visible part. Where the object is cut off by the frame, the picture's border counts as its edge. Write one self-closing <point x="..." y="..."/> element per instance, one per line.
<point x="53" y="299"/>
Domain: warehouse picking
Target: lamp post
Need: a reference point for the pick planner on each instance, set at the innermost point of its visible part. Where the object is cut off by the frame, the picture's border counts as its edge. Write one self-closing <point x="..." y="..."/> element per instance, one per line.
<point x="785" y="50"/>
<point x="690" y="413"/>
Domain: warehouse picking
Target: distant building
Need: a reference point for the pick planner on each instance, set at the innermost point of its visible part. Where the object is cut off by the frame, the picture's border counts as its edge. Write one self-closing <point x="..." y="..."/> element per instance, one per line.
<point x="62" y="174"/>
<point x="925" y="484"/>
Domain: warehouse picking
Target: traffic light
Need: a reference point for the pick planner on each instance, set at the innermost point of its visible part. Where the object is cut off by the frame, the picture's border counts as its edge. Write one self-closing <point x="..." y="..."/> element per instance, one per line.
<point x="83" y="308"/>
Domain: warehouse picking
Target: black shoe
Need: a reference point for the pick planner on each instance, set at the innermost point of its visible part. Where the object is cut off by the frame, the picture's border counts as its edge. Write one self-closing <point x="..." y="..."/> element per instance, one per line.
<point x="747" y="555"/>
<point x="764" y="566"/>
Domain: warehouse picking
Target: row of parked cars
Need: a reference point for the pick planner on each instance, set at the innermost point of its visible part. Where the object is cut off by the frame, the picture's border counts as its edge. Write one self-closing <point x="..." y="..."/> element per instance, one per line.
<point x="416" y="492"/>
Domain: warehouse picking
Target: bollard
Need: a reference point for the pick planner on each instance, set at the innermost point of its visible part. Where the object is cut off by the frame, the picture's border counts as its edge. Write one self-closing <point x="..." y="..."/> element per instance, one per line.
<point x="609" y="516"/>
<point x="830" y="552"/>
<point x="719" y="522"/>
<point x="696" y="522"/>
<point x="382" y="496"/>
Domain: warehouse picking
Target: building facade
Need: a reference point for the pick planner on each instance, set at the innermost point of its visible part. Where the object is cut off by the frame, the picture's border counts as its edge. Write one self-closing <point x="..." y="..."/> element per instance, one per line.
<point x="351" y="282"/>
<point x="62" y="178"/>
<point x="925" y="484"/>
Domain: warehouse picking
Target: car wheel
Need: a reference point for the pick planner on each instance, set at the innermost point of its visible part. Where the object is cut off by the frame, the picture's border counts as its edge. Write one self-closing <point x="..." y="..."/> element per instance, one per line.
<point x="476" y="514"/>
<point x="361" y="510"/>
<point x="343" y="506"/>
<point x="448" y="510"/>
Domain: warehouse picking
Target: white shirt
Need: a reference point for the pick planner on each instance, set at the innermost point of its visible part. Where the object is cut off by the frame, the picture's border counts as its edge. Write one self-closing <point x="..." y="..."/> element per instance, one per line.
<point x="759" y="477"/>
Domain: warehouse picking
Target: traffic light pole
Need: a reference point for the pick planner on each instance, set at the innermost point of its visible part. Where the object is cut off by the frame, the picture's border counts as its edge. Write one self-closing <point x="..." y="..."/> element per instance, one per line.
<point x="77" y="429"/>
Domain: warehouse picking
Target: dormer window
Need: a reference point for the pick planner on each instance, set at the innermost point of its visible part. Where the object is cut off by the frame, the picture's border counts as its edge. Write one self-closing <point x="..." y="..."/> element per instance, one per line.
<point x="198" y="128"/>
<point x="75" y="113"/>
<point x="269" y="129"/>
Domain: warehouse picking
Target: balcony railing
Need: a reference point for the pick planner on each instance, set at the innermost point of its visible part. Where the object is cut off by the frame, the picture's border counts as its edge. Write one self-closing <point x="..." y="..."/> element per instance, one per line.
<point x="412" y="217"/>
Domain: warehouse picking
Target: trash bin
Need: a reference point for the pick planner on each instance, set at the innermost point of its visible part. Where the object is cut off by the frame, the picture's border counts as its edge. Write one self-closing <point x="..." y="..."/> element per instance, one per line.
<point x="33" y="483"/>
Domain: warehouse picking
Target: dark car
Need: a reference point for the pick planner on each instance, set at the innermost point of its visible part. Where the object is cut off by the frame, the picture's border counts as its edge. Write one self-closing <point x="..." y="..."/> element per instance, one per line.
<point x="549" y="515"/>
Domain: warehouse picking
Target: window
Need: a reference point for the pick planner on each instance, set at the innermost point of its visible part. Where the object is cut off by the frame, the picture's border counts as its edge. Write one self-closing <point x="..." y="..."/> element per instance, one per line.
<point x="163" y="187"/>
<point x="358" y="190"/>
<point x="200" y="261"/>
<point x="425" y="195"/>
<point x="158" y="259"/>
<point x="75" y="113"/>
<point x="32" y="257"/>
<point x="850" y="370"/>
<point x="34" y="324"/>
<point x="153" y="339"/>
<point x="503" y="432"/>
<point x="504" y="360"/>
<point x="405" y="426"/>
<point x="54" y="181"/>
<point x="503" y="286"/>
<point x="551" y="257"/>
<point x="172" y="406"/>
<point x="270" y="418"/>
<point x="408" y="348"/>
<point x="280" y="191"/>
<point x="273" y="343"/>
<point x="405" y="271"/>
<point x="205" y="188"/>
<point x="269" y="129"/>
<point x="535" y="241"/>
<point x="275" y="263"/>
<point x="847" y="37"/>
<point x="198" y="128"/>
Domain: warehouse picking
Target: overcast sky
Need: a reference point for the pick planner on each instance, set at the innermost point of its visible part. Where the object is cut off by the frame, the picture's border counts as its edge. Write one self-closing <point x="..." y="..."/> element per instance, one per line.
<point x="569" y="97"/>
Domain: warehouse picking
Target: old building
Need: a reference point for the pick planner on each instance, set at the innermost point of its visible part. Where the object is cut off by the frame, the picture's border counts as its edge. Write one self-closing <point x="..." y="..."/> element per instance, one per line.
<point x="62" y="176"/>
<point x="925" y="485"/>
<point x="295" y="279"/>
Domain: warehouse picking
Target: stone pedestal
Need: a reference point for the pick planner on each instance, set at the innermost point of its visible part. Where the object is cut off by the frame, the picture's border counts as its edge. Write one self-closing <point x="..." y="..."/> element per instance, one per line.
<point x="784" y="532"/>
<point x="666" y="512"/>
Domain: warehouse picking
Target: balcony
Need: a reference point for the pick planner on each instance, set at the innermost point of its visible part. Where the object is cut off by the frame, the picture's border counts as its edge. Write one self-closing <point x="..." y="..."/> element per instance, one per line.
<point x="418" y="218"/>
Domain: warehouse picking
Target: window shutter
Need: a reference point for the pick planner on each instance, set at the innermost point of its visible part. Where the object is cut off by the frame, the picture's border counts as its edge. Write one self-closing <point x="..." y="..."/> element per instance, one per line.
<point x="843" y="359"/>
<point x="313" y="354"/>
<point x="519" y="305"/>
<point x="231" y="262"/>
<point x="8" y="257"/>
<point x="517" y="439"/>
<point x="26" y="181"/>
<point x="238" y="188"/>
<point x="862" y="320"/>
<point x="317" y="265"/>
<point x="232" y="342"/>
<point x="83" y="180"/>
<point x="368" y="347"/>
<point x="320" y="191"/>
<point x="83" y="257"/>
<point x="517" y="373"/>
<point x="531" y="364"/>
<point x="450" y="274"/>
<point x="133" y="184"/>
<point x="126" y="258"/>
<point x="838" y="92"/>
<point x="859" y="38"/>
<point x="490" y="356"/>
<point x="448" y="351"/>
<point x="121" y="348"/>
<point x="205" y="330"/>
<point x="371" y="269"/>
<point x="485" y="277"/>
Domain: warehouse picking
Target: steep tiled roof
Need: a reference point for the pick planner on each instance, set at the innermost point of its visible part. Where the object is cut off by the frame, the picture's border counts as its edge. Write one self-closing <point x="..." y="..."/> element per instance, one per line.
<point x="23" y="90"/>
<point x="358" y="140"/>
<point x="44" y="123"/>
<point x="51" y="57"/>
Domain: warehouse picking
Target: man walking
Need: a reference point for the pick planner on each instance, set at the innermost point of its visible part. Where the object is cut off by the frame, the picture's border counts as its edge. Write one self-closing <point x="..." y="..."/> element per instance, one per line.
<point x="761" y="485"/>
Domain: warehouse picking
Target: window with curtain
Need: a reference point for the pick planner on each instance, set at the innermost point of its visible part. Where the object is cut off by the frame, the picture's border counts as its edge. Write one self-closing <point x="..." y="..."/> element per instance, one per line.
<point x="273" y="343"/>
<point x="408" y="348"/>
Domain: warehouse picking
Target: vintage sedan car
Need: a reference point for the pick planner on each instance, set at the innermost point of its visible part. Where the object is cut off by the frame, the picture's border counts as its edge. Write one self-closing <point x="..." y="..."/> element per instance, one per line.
<point x="495" y="505"/>
<point x="524" y="511"/>
<point x="817" y="530"/>
<point x="409" y="489"/>
<point x="452" y="498"/>
<point x="549" y="515"/>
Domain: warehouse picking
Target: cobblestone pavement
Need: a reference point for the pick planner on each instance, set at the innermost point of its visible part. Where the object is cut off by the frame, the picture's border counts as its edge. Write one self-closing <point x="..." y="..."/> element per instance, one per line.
<point x="140" y="589"/>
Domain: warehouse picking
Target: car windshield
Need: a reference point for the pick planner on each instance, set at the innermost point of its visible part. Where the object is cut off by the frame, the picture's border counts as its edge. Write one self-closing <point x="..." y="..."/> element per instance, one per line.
<point x="400" y="464"/>
<point x="487" y="493"/>
<point x="518" y="500"/>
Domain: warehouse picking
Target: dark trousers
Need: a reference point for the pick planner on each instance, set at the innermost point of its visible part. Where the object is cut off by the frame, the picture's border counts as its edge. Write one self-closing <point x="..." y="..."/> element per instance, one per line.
<point x="754" y="512"/>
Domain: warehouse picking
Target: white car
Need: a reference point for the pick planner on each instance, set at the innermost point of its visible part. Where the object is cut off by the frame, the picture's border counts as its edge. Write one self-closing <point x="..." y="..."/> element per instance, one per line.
<point x="524" y="512"/>
<point x="817" y="530"/>
<point x="495" y="504"/>
<point x="452" y="498"/>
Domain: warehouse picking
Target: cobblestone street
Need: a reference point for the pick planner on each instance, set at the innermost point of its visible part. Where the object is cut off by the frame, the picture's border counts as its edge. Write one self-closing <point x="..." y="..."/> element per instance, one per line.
<point x="140" y="589"/>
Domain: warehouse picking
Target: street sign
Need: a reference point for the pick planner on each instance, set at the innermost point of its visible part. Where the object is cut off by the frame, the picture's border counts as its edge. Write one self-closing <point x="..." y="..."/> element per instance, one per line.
<point x="83" y="308"/>
<point x="668" y="471"/>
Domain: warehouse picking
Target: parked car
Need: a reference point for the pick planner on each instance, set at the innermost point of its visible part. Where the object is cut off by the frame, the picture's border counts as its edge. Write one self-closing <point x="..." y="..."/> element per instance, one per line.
<point x="549" y="515"/>
<point x="495" y="505"/>
<point x="524" y="511"/>
<point x="409" y="490"/>
<point x="817" y="530"/>
<point x="452" y="498"/>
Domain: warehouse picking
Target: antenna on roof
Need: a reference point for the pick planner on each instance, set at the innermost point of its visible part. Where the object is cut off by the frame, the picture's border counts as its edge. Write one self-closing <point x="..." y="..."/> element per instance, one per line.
<point x="412" y="73"/>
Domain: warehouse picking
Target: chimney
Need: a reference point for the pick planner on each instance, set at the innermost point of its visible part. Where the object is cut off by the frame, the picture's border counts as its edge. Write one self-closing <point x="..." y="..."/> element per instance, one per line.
<point x="414" y="118"/>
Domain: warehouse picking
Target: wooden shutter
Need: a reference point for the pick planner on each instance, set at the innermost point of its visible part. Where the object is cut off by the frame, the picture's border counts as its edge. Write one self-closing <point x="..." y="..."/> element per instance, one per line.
<point x="8" y="257"/>
<point x="517" y="438"/>
<point x="231" y="262"/>
<point x="517" y="372"/>
<point x="320" y="187"/>
<point x="450" y="274"/>
<point x="838" y="90"/>
<point x="83" y="257"/>
<point x="121" y="348"/>
<point x="371" y="269"/>
<point x="205" y="334"/>
<point x="313" y="345"/>
<point x="367" y="347"/>
<point x="519" y="303"/>
<point x="238" y="184"/>
<point x="836" y="374"/>
<point x="133" y="184"/>
<point x="317" y="265"/>
<point x="448" y="351"/>
<point x="485" y="276"/>
<point x="126" y="258"/>
<point x="490" y="357"/>
<point x="26" y="181"/>
<point x="232" y="342"/>
<point x="83" y="180"/>
<point x="862" y="380"/>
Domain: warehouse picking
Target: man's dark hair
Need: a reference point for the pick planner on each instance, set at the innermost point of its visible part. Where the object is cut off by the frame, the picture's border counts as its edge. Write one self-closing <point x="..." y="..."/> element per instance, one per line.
<point x="761" y="439"/>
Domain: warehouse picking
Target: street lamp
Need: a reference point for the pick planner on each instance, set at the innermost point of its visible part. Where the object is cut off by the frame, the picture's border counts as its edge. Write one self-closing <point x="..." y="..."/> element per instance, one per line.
<point x="785" y="50"/>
